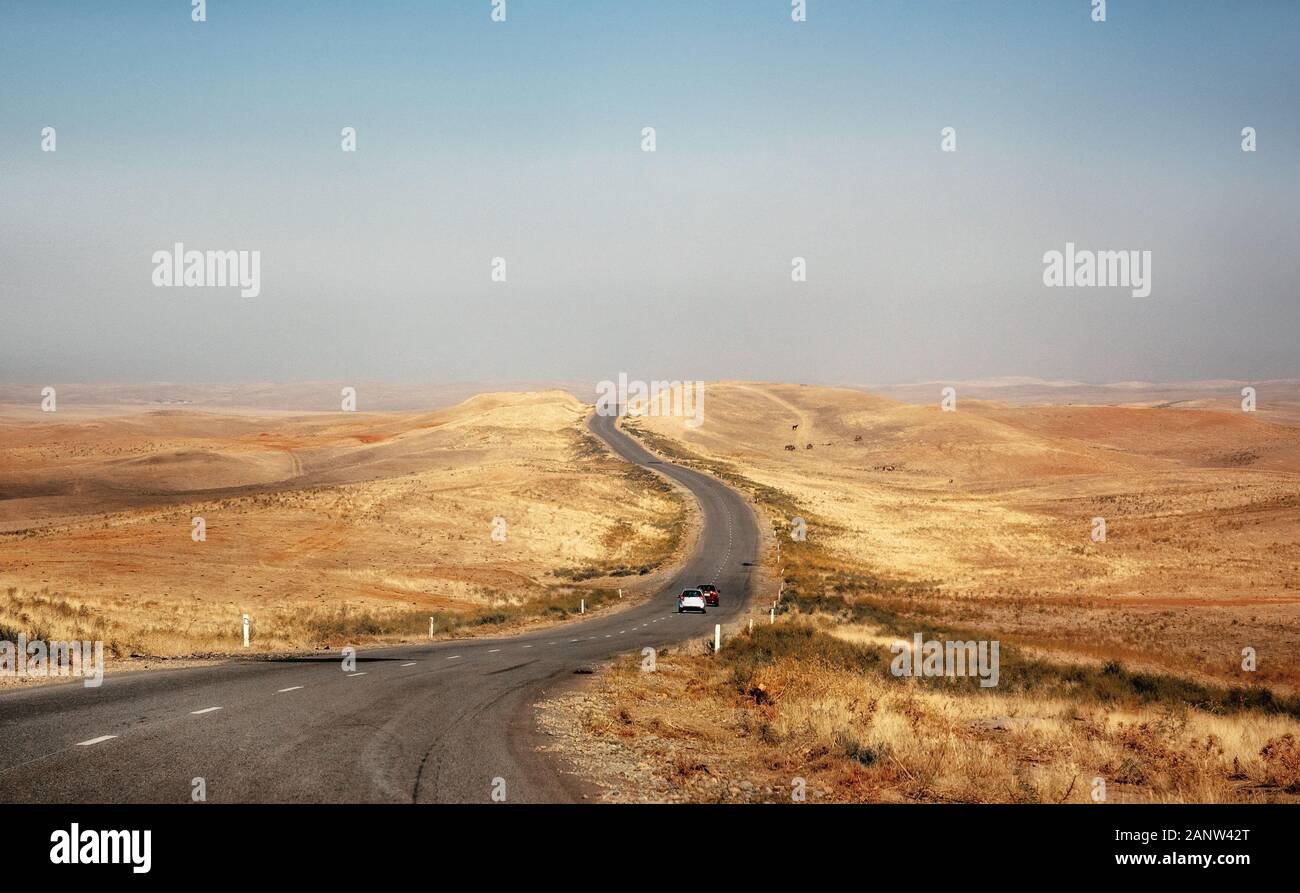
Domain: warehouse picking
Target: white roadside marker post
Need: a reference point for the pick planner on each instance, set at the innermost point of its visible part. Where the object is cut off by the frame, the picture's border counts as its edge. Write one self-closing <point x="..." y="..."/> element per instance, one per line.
<point x="771" y="618"/>
<point x="582" y="607"/>
<point x="620" y="593"/>
<point x="245" y="630"/>
<point x="751" y="624"/>
<point x="430" y="627"/>
<point x="717" y="637"/>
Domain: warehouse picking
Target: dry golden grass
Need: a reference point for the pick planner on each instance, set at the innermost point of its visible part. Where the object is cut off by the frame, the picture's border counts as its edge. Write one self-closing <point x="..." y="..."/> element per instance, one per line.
<point x="323" y="528"/>
<point x="1121" y="660"/>
<point x="864" y="737"/>
<point x="994" y="505"/>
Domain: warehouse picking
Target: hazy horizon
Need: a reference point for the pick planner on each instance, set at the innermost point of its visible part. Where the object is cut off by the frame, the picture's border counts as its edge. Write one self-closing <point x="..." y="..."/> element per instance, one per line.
<point x="375" y="395"/>
<point x="775" y="139"/>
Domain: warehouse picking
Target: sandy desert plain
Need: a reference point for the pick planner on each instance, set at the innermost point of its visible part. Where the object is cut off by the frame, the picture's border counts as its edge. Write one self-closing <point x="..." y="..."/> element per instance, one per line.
<point x="1121" y="661"/>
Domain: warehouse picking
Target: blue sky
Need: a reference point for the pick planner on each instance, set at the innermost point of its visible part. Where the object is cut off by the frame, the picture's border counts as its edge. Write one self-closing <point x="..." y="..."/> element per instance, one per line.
<point x="775" y="139"/>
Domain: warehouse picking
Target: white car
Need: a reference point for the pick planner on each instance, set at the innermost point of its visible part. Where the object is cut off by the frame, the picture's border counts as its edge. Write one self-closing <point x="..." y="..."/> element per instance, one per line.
<point x="691" y="600"/>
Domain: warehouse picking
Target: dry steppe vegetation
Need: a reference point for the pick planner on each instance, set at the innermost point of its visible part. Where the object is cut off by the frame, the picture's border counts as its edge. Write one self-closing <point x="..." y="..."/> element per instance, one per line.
<point x="1120" y="660"/>
<point x="327" y="528"/>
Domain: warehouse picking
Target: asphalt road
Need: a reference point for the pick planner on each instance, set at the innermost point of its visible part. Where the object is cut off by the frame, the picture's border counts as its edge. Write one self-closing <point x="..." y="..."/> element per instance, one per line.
<point x="418" y="723"/>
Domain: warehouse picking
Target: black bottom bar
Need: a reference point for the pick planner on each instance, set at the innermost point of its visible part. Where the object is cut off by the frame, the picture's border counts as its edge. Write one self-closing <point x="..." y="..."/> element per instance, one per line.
<point x="331" y="844"/>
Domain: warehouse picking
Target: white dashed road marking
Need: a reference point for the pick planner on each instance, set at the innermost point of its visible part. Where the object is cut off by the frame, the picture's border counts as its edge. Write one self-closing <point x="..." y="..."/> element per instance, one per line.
<point x="204" y="710"/>
<point x="453" y="657"/>
<point x="494" y="651"/>
<point x="411" y="664"/>
<point x="95" y="740"/>
<point x="355" y="675"/>
<point x="290" y="688"/>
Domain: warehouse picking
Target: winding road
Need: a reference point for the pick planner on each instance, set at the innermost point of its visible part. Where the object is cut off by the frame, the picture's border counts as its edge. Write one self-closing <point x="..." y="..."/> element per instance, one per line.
<point x="417" y="723"/>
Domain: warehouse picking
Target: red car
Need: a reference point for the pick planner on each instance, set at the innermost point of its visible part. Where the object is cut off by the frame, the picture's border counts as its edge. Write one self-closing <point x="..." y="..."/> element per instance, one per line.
<point x="710" y="594"/>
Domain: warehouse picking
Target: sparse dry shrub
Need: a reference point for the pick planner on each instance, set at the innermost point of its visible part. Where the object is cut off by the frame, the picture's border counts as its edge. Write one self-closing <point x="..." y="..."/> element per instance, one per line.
<point x="686" y="765"/>
<point x="1145" y="754"/>
<point x="1281" y="759"/>
<point x="1156" y="754"/>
